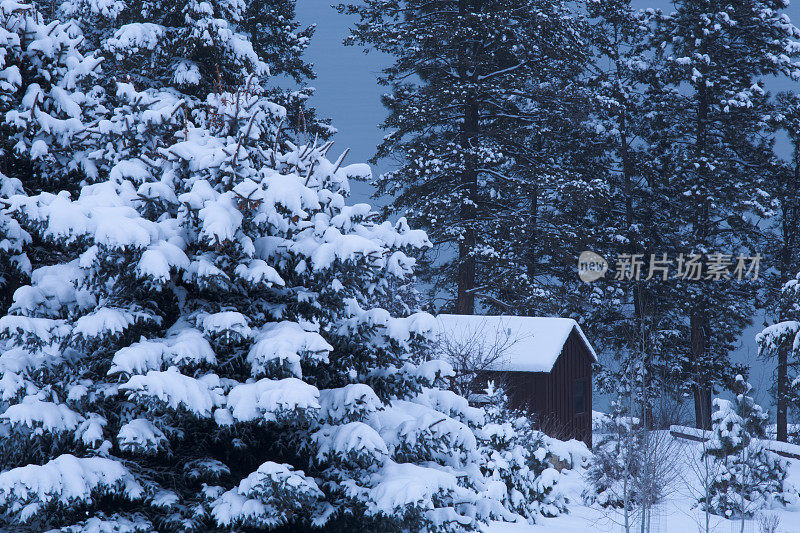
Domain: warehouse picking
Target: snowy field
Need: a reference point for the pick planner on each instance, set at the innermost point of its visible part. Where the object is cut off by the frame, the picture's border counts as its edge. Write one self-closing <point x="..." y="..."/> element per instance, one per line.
<point x="675" y="515"/>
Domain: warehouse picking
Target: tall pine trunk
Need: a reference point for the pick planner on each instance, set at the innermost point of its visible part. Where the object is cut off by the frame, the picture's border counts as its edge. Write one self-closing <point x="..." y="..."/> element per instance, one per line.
<point x="533" y="221"/>
<point x="782" y="408"/>
<point x="781" y="415"/>
<point x="698" y="321"/>
<point x="465" y="280"/>
<point x="701" y="387"/>
<point x="465" y="303"/>
<point x="640" y="345"/>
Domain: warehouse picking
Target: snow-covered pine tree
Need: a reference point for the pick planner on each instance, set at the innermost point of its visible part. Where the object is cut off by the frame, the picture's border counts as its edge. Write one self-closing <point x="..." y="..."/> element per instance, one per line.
<point x="204" y="350"/>
<point x="46" y="99"/>
<point x="199" y="47"/>
<point x="749" y="477"/>
<point x="195" y="48"/>
<point x="206" y="354"/>
<point x="612" y="210"/>
<point x="47" y="96"/>
<point x="613" y="467"/>
<point x="277" y="37"/>
<point x="186" y="51"/>
<point x="589" y="165"/>
<point x="474" y="86"/>
<point x="711" y="150"/>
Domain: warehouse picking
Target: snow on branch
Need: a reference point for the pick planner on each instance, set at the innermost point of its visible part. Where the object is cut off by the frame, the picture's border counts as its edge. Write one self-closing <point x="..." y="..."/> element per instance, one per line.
<point x="198" y="396"/>
<point x="66" y="480"/>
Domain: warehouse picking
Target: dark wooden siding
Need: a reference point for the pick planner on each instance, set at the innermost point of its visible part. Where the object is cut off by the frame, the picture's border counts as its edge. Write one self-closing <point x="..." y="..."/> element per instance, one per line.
<point x="574" y="365"/>
<point x="551" y="396"/>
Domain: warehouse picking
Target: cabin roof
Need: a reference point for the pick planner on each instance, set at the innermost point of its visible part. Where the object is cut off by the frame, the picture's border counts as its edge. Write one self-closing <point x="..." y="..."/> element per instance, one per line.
<point x="530" y="344"/>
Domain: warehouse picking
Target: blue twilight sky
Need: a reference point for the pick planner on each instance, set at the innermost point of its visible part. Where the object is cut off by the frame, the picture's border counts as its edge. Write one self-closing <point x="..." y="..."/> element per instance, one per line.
<point x="347" y="88"/>
<point x="348" y="93"/>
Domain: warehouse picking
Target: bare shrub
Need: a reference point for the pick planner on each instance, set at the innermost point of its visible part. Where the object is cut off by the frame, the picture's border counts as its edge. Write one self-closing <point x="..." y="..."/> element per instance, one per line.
<point x="670" y="410"/>
<point x="768" y="522"/>
<point x="474" y="350"/>
<point x="698" y="477"/>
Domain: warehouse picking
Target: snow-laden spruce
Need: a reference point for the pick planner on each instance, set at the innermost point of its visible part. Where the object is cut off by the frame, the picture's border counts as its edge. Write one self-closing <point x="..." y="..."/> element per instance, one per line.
<point x="205" y="352"/>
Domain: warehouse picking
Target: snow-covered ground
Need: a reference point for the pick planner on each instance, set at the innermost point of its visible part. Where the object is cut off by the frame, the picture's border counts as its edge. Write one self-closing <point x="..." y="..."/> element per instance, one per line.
<point x="677" y="514"/>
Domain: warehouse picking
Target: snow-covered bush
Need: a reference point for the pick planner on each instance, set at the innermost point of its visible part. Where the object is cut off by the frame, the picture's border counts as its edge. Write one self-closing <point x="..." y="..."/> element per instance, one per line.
<point x="748" y="477"/>
<point x="524" y="459"/>
<point x="613" y="461"/>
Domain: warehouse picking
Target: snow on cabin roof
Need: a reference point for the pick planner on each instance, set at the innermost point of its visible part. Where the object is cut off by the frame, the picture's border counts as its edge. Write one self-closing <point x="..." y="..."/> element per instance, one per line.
<point x="529" y="344"/>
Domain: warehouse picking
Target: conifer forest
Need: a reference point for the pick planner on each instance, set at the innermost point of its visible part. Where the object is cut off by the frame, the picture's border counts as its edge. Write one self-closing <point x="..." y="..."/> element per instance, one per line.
<point x="400" y="266"/>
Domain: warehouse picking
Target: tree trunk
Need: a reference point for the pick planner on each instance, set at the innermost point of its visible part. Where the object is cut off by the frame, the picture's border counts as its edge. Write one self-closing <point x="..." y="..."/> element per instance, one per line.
<point x="465" y="279"/>
<point x="698" y="321"/>
<point x="782" y="410"/>
<point x="701" y="387"/>
<point x="781" y="388"/>
<point x="702" y="405"/>
<point x="532" y="227"/>
<point x="640" y="307"/>
<point x="465" y="303"/>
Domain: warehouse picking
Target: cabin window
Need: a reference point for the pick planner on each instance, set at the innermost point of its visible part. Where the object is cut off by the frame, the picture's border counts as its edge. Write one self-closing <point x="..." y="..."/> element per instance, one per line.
<point x="579" y="394"/>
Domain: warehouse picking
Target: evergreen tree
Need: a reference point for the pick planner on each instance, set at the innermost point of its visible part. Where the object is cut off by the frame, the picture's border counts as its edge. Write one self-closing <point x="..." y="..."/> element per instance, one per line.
<point x="201" y="47"/>
<point x="613" y="465"/>
<point x="176" y="369"/>
<point x="781" y="341"/>
<point x="585" y="185"/>
<point x="522" y="458"/>
<point x="278" y="39"/>
<point x="472" y="83"/>
<point x="709" y="149"/>
<point x="604" y="199"/>
<point x="750" y="477"/>
<point x="629" y="314"/>
<point x="47" y="97"/>
<point x="194" y="48"/>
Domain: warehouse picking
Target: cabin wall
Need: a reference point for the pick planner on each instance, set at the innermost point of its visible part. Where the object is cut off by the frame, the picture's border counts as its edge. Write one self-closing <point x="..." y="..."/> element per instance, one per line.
<point x="574" y="365"/>
<point x="551" y="396"/>
<point x="528" y="391"/>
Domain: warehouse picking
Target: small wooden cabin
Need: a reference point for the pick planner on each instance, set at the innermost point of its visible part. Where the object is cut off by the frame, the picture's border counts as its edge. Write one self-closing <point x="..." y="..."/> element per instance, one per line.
<point x="545" y="365"/>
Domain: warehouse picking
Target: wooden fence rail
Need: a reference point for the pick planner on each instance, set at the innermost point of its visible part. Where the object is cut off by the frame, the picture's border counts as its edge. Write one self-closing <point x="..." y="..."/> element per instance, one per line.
<point x="784" y="449"/>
